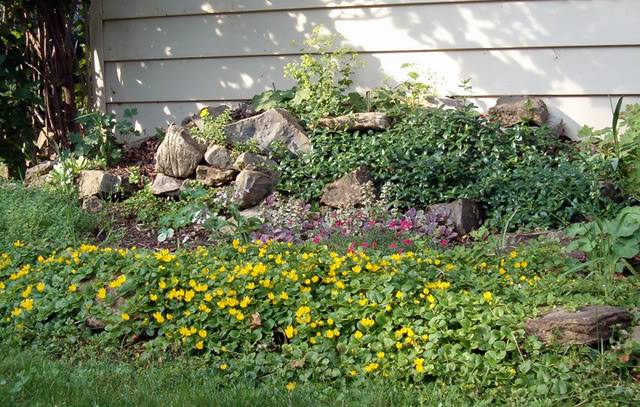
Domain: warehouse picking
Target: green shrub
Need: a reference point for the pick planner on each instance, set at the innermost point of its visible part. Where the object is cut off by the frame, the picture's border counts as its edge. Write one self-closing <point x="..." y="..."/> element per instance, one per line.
<point x="45" y="219"/>
<point x="213" y="128"/>
<point x="438" y="155"/>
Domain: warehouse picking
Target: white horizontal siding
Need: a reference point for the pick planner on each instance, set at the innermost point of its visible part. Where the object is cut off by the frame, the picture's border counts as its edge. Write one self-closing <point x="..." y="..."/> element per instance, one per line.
<point x="119" y="9"/>
<point x="573" y="71"/>
<point x="416" y="28"/>
<point x="168" y="57"/>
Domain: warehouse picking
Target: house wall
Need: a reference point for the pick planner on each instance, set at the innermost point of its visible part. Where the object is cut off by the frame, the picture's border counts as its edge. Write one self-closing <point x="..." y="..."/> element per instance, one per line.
<point x="168" y="58"/>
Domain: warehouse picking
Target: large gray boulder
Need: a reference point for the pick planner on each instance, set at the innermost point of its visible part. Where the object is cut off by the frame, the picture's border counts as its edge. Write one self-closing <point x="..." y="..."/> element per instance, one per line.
<point x="586" y="326"/>
<point x="275" y="125"/>
<point x="179" y="154"/>
<point x="512" y="110"/>
<point x="218" y="156"/>
<point x="464" y="214"/>
<point x="252" y="187"/>
<point x="358" y="121"/>
<point x="349" y="191"/>
<point x="98" y="183"/>
<point x="165" y="185"/>
<point x="214" y="177"/>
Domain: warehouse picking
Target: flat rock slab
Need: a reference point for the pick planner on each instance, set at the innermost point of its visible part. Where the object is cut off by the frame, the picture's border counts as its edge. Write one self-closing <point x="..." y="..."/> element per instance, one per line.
<point x="215" y="177"/>
<point x="275" y="125"/>
<point x="252" y="187"/>
<point x="98" y="183"/>
<point x="166" y="185"/>
<point x="585" y="326"/>
<point x="358" y="121"/>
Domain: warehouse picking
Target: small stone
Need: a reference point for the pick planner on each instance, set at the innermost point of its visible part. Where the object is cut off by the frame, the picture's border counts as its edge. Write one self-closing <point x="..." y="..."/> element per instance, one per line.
<point x="4" y="171"/>
<point x="349" y="191"/>
<point x="98" y="183"/>
<point x="166" y="185"/>
<point x="358" y="121"/>
<point x="255" y="161"/>
<point x="275" y="125"/>
<point x="512" y="110"/>
<point x="93" y="204"/>
<point x="252" y="187"/>
<point x="214" y="177"/>
<point x="179" y="154"/>
<point x="586" y="326"/>
<point x="635" y="334"/>
<point x="464" y="214"/>
<point x="218" y="156"/>
<point x="37" y="175"/>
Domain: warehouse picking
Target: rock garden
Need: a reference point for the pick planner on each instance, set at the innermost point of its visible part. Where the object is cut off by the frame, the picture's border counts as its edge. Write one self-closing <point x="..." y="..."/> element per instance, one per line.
<point x="316" y="241"/>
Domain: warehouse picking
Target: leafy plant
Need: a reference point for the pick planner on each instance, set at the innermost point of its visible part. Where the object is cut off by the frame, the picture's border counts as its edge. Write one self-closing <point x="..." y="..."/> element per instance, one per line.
<point x="608" y="243"/>
<point x="323" y="78"/>
<point x="66" y="171"/>
<point x="213" y="128"/>
<point x="98" y="141"/>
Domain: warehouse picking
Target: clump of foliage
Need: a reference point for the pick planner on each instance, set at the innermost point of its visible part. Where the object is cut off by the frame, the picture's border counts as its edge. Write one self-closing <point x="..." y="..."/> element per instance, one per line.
<point x="311" y="315"/>
<point x="323" y="76"/>
<point x="47" y="219"/>
<point x="437" y="155"/>
<point x="619" y="147"/>
<point x="213" y="127"/>
<point x="99" y="139"/>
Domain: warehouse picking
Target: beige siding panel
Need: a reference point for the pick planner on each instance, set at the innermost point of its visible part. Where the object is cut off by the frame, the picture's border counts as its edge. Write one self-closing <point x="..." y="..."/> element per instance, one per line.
<point x="581" y="71"/>
<point x="574" y="112"/>
<point x="157" y="8"/>
<point x="415" y="28"/>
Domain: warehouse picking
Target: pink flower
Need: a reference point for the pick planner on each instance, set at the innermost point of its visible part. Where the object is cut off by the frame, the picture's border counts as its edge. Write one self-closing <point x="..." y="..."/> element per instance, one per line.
<point x="364" y="245"/>
<point x="393" y="245"/>
<point x="407" y="242"/>
<point x="443" y="243"/>
<point x="316" y="239"/>
<point x="405" y="225"/>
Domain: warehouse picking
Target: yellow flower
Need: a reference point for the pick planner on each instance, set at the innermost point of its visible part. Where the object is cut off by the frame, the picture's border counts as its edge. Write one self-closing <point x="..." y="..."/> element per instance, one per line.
<point x="202" y="333"/>
<point x="329" y="333"/>
<point x="26" y="292"/>
<point x="125" y="317"/>
<point x="290" y="332"/>
<point x="488" y="297"/>
<point x="358" y="335"/>
<point x="158" y="317"/>
<point x="200" y="345"/>
<point x="162" y="284"/>
<point x="72" y="288"/>
<point x="2" y="286"/>
<point x="399" y="295"/>
<point x="101" y="294"/>
<point x="40" y="287"/>
<point x="153" y="297"/>
<point x="223" y="366"/>
<point x="513" y="254"/>
<point x="18" y="244"/>
<point x="524" y="264"/>
<point x="367" y="322"/>
<point x="27" y="304"/>
<point x="204" y="113"/>
<point x="419" y="365"/>
<point x="353" y="373"/>
<point x="290" y="386"/>
<point x="164" y="256"/>
<point x="16" y="312"/>
<point x="371" y="367"/>
<point x="284" y="296"/>
<point x="380" y="355"/>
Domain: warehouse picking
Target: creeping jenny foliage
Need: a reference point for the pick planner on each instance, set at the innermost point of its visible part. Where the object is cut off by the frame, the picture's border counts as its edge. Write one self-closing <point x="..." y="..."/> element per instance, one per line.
<point x="299" y="314"/>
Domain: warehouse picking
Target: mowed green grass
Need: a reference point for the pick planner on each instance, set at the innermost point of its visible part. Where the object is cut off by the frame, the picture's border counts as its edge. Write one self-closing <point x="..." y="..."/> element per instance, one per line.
<point x="35" y="380"/>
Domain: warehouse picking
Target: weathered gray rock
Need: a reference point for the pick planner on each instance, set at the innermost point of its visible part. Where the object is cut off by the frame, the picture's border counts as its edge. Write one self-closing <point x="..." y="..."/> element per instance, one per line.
<point x="512" y="110"/>
<point x="218" y="156"/>
<point x="464" y="214"/>
<point x="252" y="187"/>
<point x="37" y="175"/>
<point x="254" y="161"/>
<point x="349" y="191"/>
<point x="586" y="326"/>
<point x="93" y="204"/>
<point x="166" y="185"/>
<point x="215" y="177"/>
<point x="98" y="183"/>
<point x="4" y="171"/>
<point x="358" y="121"/>
<point x="275" y="125"/>
<point x="179" y="154"/>
<point x="635" y="334"/>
